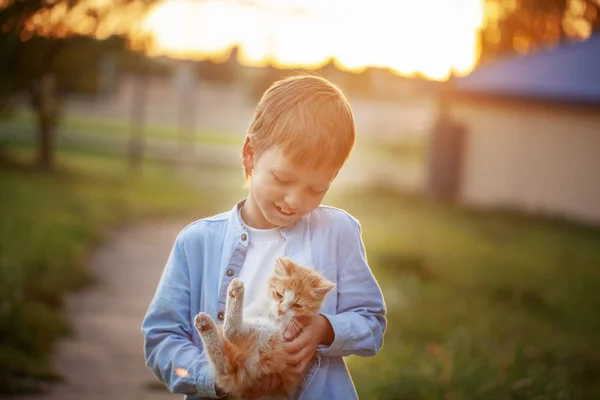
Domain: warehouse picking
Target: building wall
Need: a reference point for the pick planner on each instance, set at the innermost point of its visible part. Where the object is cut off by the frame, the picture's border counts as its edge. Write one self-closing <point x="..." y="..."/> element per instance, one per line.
<point x="537" y="158"/>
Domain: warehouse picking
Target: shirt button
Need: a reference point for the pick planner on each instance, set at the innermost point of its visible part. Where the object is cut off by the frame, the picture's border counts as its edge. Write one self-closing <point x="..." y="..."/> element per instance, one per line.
<point x="221" y="316"/>
<point x="229" y="272"/>
<point x="244" y="237"/>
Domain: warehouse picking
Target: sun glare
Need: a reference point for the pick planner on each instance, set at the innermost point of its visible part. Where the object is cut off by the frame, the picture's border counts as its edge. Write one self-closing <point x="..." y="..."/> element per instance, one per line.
<point x="431" y="37"/>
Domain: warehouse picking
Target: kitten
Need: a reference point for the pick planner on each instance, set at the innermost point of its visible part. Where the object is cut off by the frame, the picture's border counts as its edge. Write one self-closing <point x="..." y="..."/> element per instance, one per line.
<point x="249" y="344"/>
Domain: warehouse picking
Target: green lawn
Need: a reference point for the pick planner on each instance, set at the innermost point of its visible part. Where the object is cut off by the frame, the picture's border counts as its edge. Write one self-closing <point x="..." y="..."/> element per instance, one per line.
<point x="481" y="305"/>
<point x="23" y="121"/>
<point x="48" y="223"/>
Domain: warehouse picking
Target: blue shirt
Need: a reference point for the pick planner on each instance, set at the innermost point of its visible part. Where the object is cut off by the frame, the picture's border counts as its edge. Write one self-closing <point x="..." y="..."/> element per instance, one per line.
<point x="209" y="253"/>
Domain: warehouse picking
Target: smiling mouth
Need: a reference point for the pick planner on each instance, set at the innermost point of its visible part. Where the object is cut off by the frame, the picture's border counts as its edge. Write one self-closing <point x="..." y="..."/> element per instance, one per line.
<point x="287" y="214"/>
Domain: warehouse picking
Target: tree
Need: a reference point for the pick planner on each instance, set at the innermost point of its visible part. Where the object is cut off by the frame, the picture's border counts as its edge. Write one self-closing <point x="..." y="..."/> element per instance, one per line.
<point x="32" y="35"/>
<point x="525" y="25"/>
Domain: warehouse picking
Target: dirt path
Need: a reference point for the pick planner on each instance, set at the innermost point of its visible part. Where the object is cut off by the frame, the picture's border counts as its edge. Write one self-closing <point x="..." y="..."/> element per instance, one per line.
<point x="105" y="359"/>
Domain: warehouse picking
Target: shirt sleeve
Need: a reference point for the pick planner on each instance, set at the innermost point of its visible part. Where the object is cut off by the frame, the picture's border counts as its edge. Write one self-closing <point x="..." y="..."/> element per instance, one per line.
<point x="167" y="327"/>
<point x="359" y="322"/>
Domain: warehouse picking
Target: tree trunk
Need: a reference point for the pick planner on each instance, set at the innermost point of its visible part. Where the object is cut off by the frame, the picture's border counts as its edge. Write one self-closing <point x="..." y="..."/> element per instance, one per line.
<point x="138" y="121"/>
<point x="43" y="100"/>
<point x="45" y="157"/>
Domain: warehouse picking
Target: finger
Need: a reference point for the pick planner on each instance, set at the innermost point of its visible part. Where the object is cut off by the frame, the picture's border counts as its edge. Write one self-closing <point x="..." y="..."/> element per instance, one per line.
<point x="290" y="332"/>
<point x="293" y="329"/>
<point x="298" y="343"/>
<point x="294" y="359"/>
<point x="304" y="352"/>
<point x="299" y="369"/>
<point x="298" y="357"/>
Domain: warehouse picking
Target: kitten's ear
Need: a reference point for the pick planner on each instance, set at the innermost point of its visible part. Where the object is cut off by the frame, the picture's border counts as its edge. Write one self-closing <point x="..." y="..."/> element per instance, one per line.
<point x="281" y="266"/>
<point x="323" y="288"/>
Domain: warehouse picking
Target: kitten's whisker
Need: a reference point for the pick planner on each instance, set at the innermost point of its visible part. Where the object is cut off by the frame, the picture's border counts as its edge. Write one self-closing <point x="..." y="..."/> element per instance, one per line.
<point x="298" y="327"/>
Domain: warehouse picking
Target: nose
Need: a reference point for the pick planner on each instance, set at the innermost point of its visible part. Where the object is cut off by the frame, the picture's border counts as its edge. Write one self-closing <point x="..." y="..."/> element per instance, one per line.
<point x="280" y="312"/>
<point x="293" y="201"/>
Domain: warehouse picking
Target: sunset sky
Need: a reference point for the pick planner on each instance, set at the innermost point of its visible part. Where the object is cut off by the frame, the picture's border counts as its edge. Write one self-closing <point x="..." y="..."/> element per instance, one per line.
<point x="407" y="36"/>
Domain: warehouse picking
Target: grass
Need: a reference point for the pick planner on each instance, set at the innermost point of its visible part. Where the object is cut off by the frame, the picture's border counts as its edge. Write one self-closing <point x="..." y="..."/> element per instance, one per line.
<point x="480" y="305"/>
<point x="23" y="120"/>
<point x="48" y="222"/>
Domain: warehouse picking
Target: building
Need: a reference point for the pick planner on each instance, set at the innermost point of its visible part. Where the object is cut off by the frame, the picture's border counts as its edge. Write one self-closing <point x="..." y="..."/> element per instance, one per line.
<point x="524" y="133"/>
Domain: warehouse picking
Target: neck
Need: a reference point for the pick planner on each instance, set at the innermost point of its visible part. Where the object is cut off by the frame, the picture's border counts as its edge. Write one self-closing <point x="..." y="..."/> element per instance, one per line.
<point x="252" y="216"/>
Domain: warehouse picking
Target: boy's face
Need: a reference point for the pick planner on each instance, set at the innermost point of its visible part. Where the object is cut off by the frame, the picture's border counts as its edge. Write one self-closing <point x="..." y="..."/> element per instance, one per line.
<point x="281" y="192"/>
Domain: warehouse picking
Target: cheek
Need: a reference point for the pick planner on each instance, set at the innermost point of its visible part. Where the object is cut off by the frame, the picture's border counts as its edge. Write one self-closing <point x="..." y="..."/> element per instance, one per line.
<point x="273" y="303"/>
<point x="302" y="312"/>
<point x="266" y="189"/>
<point x="310" y="310"/>
<point x="262" y="192"/>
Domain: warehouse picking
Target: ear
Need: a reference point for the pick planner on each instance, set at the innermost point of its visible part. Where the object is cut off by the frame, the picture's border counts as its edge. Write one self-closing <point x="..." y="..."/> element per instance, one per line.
<point x="280" y="267"/>
<point x="286" y="265"/>
<point x="248" y="153"/>
<point x="323" y="288"/>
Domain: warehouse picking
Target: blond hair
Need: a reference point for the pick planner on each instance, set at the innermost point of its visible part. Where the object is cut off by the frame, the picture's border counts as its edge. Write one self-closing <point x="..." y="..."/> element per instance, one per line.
<point x="308" y="118"/>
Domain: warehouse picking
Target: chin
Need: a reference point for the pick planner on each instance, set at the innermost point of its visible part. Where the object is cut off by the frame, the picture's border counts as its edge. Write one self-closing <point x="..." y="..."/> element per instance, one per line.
<point x="277" y="221"/>
<point x="283" y="221"/>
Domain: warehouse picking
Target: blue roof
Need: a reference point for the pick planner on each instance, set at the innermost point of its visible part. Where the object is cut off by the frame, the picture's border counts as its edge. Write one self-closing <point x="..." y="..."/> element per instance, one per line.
<point x="570" y="72"/>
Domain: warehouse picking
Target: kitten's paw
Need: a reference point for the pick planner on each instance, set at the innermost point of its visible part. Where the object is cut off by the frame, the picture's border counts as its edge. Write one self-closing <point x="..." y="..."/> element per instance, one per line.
<point x="236" y="288"/>
<point x="202" y="322"/>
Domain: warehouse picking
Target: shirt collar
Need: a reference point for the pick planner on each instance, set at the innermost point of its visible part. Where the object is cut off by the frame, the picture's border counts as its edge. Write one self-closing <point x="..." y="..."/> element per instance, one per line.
<point x="239" y="227"/>
<point x="294" y="234"/>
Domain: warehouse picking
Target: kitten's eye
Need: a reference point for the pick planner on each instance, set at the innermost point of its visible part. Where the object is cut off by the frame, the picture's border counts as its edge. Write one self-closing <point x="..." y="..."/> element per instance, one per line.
<point x="296" y="305"/>
<point x="278" y="295"/>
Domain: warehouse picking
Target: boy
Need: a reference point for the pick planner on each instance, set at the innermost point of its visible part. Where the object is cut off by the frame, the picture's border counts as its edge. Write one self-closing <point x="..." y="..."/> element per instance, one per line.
<point x="301" y="135"/>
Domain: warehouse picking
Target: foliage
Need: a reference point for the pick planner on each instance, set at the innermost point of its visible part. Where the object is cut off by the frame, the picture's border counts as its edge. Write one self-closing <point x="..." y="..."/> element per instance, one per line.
<point x="47" y="224"/>
<point x="480" y="305"/>
<point x="524" y="25"/>
<point x="35" y="37"/>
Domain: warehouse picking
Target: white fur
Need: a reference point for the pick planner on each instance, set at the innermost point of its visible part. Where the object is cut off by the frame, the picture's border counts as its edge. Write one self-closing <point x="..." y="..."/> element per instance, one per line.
<point x="262" y="314"/>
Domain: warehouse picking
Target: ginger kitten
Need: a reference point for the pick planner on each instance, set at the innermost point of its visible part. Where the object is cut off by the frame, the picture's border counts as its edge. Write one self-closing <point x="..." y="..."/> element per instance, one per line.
<point x="249" y="344"/>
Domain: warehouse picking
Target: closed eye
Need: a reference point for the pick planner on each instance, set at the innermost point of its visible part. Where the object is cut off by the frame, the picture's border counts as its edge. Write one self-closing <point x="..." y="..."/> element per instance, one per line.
<point x="278" y="179"/>
<point x="278" y="295"/>
<point x="297" y="306"/>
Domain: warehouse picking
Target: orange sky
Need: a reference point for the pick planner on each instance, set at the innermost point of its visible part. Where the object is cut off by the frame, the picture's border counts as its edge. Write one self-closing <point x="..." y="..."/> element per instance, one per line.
<point x="407" y="36"/>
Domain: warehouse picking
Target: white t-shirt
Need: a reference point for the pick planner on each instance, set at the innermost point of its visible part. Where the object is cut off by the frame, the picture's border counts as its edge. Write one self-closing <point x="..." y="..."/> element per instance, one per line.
<point x="264" y="246"/>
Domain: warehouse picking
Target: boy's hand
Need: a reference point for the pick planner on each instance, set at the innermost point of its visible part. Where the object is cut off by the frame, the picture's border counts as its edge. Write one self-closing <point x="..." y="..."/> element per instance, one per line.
<point x="266" y="385"/>
<point x="317" y="330"/>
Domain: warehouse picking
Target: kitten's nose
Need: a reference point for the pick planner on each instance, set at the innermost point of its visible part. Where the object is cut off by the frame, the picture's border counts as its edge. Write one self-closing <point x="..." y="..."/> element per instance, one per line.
<point x="280" y="312"/>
